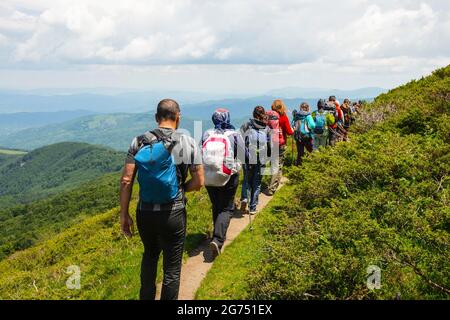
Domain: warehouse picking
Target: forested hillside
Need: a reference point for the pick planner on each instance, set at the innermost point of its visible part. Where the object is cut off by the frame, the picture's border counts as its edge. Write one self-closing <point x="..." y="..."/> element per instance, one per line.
<point x="7" y="156"/>
<point x="23" y="226"/>
<point x="381" y="200"/>
<point x="53" y="169"/>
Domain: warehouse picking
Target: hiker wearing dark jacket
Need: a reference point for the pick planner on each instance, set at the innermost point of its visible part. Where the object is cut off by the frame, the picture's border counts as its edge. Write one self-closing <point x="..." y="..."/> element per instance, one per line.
<point x="223" y="185"/>
<point x="257" y="140"/>
<point x="161" y="159"/>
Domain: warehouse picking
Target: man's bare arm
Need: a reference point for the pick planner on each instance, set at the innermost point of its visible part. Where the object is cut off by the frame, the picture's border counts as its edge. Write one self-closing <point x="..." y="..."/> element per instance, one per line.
<point x="197" y="178"/>
<point x="126" y="190"/>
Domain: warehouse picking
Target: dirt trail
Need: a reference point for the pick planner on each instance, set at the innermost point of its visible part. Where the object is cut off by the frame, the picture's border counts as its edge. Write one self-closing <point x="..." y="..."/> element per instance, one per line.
<point x="198" y="264"/>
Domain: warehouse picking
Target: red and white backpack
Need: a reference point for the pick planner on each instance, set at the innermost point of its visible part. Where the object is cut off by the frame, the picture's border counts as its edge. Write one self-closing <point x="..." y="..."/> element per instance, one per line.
<point x="218" y="156"/>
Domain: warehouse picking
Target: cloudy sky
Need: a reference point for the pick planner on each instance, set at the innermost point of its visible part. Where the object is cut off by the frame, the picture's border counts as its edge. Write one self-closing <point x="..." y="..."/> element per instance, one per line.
<point x="222" y="46"/>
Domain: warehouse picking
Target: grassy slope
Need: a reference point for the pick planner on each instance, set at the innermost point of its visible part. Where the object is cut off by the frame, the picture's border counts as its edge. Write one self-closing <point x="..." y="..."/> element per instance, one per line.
<point x="109" y="263"/>
<point x="387" y="206"/>
<point x="11" y="152"/>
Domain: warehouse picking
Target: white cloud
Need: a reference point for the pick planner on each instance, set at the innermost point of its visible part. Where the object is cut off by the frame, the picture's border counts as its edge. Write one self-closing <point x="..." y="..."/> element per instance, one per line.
<point x="349" y="35"/>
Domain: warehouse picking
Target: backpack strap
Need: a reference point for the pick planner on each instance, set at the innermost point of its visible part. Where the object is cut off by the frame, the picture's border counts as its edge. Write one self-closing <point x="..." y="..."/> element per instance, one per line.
<point x="168" y="140"/>
<point x="146" y="139"/>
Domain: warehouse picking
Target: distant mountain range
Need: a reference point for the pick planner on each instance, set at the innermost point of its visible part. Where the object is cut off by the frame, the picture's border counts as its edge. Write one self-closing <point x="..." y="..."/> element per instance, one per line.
<point x="107" y="101"/>
<point x="54" y="168"/>
<point x="92" y="118"/>
<point x="12" y="122"/>
<point x="362" y="93"/>
<point x="110" y="100"/>
<point x="113" y="130"/>
<point x="239" y="108"/>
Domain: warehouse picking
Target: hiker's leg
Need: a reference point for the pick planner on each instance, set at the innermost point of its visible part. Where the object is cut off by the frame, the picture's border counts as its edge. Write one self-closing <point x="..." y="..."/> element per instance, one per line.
<point x="324" y="140"/>
<point x="333" y="138"/>
<point x="278" y="171"/>
<point x="245" y="184"/>
<point x="214" y="197"/>
<point x="309" y="145"/>
<point x="173" y="237"/>
<point x="252" y="184"/>
<point x="316" y="141"/>
<point x="256" y="186"/>
<point x="300" y="152"/>
<point x="226" y="210"/>
<point x="147" y="224"/>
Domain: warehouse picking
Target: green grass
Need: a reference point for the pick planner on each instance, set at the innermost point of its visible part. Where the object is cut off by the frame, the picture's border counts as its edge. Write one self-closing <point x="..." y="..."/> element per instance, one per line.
<point x="12" y="152"/>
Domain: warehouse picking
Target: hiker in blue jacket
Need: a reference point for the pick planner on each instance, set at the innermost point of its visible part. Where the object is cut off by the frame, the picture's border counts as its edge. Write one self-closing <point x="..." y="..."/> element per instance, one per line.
<point x="304" y="126"/>
<point x="161" y="159"/>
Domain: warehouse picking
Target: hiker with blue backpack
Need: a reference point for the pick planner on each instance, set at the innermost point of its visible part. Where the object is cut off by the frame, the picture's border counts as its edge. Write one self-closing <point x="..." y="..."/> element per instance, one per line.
<point x="161" y="159"/>
<point x="304" y="126"/>
<point x="222" y="152"/>
<point x="323" y="120"/>
<point x="257" y="139"/>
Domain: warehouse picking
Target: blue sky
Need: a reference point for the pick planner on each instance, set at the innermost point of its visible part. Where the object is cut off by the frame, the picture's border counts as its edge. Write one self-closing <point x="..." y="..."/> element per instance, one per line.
<point x="221" y="46"/>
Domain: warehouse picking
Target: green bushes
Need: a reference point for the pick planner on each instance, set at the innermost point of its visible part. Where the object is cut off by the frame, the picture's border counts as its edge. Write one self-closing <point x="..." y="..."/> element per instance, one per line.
<point x="380" y="200"/>
<point x="386" y="206"/>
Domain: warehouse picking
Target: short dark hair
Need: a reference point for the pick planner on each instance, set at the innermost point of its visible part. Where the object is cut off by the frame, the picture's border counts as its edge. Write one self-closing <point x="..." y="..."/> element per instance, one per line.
<point x="167" y="109"/>
<point x="332" y="98"/>
<point x="259" y="113"/>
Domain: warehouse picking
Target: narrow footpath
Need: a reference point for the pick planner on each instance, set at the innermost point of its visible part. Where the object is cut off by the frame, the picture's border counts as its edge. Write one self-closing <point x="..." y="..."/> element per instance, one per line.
<point x="196" y="267"/>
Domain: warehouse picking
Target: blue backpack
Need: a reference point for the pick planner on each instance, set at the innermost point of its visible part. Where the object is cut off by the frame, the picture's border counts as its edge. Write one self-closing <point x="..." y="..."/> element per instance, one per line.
<point x="321" y="123"/>
<point x="302" y="131"/>
<point x="157" y="172"/>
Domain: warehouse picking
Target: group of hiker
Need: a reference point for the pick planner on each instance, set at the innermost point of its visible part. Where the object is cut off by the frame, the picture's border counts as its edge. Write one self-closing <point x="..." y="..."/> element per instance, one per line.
<point x="169" y="164"/>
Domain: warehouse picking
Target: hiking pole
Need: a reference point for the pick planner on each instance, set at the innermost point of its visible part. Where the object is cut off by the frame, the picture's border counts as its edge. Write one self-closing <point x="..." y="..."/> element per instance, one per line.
<point x="250" y="222"/>
<point x="292" y="152"/>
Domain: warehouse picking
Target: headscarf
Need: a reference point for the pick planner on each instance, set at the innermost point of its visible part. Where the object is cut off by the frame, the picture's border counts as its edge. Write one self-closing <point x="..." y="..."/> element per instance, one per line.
<point x="221" y="119"/>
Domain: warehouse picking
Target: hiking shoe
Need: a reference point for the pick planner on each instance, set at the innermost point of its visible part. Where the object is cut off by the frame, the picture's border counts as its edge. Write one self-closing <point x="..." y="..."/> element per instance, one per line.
<point x="252" y="212"/>
<point x="269" y="193"/>
<point x="214" y="248"/>
<point x="243" y="206"/>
